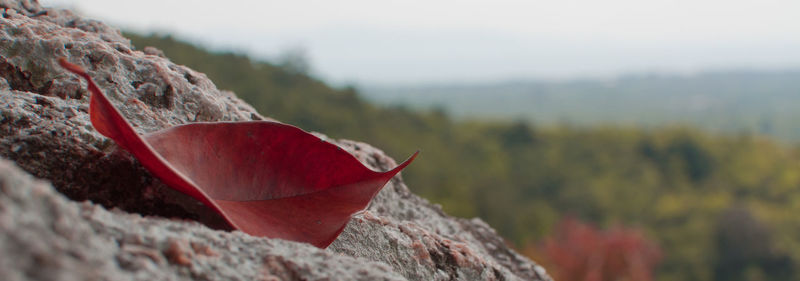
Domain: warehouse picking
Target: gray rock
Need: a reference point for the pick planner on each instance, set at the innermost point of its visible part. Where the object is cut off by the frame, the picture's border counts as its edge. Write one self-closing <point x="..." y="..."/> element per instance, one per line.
<point x="45" y="130"/>
<point x="45" y="236"/>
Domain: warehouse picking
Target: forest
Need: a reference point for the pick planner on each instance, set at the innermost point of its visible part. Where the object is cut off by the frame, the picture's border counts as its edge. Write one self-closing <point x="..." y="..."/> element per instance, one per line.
<point x="689" y="204"/>
<point x="760" y="101"/>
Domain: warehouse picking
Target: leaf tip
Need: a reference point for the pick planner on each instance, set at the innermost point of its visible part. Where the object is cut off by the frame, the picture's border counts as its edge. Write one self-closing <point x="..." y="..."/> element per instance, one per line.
<point x="405" y="163"/>
<point x="74" y="68"/>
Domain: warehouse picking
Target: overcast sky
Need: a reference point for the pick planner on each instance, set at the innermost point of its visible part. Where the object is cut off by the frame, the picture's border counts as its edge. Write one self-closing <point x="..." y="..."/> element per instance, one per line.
<point x="418" y="41"/>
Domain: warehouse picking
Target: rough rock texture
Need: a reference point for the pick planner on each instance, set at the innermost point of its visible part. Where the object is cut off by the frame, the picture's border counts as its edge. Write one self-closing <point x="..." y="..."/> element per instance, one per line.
<point x="44" y="236"/>
<point x="45" y="130"/>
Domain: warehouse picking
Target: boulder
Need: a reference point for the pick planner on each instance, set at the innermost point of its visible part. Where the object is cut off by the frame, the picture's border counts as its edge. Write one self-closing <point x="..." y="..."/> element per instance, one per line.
<point x="152" y="231"/>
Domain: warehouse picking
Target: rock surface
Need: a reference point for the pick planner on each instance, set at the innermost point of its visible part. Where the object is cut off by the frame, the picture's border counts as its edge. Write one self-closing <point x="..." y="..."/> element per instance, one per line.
<point x="45" y="236"/>
<point x="45" y="130"/>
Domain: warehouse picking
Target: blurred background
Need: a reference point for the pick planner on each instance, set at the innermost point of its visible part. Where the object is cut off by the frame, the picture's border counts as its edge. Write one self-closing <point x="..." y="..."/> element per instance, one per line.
<point x="607" y="140"/>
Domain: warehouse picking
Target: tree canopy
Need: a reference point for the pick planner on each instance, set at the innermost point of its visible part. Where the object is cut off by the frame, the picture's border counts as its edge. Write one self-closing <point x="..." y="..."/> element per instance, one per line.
<point x="721" y="207"/>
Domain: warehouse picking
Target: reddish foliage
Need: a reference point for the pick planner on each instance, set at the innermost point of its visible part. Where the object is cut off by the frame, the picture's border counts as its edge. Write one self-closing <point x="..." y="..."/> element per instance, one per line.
<point x="581" y="252"/>
<point x="265" y="178"/>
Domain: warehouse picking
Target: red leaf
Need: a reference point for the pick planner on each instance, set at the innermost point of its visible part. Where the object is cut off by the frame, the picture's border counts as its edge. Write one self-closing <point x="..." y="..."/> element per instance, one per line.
<point x="265" y="178"/>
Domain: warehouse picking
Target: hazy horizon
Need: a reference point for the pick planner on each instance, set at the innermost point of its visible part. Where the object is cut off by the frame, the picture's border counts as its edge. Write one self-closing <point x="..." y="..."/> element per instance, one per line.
<point x="417" y="42"/>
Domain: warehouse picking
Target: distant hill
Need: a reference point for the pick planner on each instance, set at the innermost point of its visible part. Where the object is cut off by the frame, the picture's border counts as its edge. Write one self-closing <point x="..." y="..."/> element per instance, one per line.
<point x="721" y="207"/>
<point x="745" y="101"/>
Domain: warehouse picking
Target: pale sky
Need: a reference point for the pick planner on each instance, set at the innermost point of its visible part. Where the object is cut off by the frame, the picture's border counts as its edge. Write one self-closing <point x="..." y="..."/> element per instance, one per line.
<point x="416" y="41"/>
